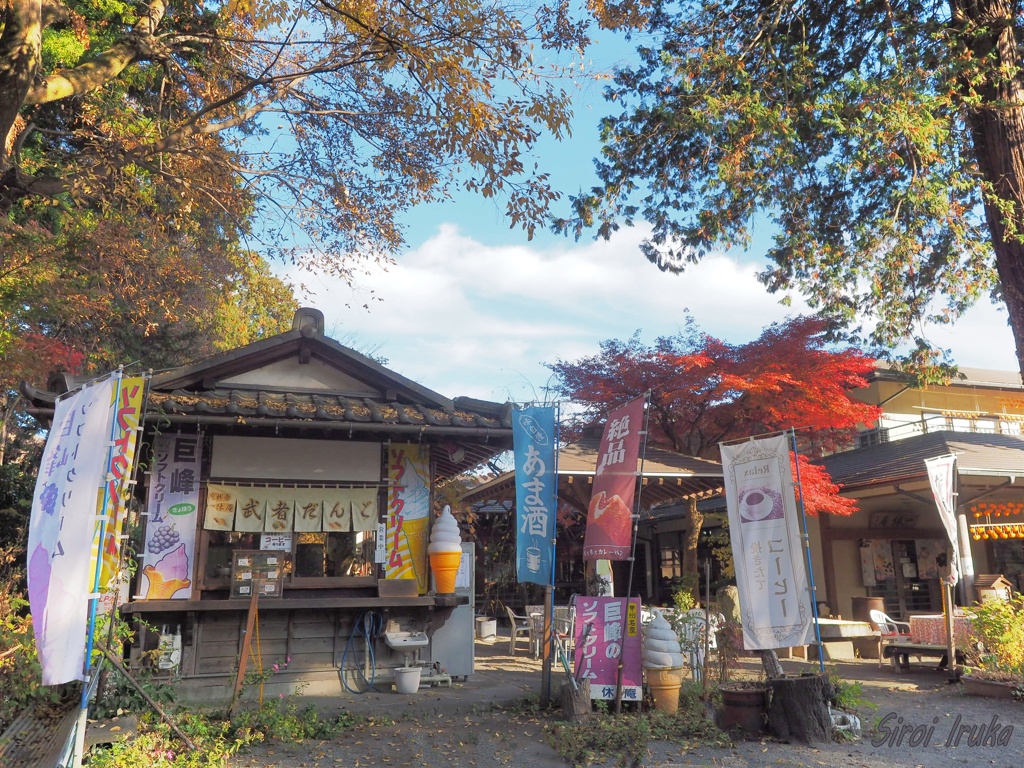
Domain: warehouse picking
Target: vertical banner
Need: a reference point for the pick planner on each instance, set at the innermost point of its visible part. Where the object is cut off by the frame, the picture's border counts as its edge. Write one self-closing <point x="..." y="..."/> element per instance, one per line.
<point x="941" y="472"/>
<point x="172" y="513"/>
<point x="608" y="629"/>
<point x="771" y="571"/>
<point x="609" y="533"/>
<point x="61" y="530"/>
<point x="118" y="490"/>
<point x="408" y="513"/>
<point x="533" y="437"/>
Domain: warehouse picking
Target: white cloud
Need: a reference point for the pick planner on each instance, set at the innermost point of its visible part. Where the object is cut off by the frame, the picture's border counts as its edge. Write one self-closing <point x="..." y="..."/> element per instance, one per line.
<point x="465" y="318"/>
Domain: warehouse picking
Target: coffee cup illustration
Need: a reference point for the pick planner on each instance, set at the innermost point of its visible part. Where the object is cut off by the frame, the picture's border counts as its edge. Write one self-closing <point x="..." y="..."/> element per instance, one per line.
<point x="533" y="559"/>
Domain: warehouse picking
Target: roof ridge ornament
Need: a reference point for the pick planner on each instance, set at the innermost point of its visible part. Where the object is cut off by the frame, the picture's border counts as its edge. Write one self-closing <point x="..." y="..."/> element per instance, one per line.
<point x="308" y="321"/>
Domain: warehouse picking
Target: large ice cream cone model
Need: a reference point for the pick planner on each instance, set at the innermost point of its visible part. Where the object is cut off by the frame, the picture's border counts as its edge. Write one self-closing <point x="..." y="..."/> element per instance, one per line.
<point x="445" y="552"/>
<point x="664" y="684"/>
<point x="663" y="663"/>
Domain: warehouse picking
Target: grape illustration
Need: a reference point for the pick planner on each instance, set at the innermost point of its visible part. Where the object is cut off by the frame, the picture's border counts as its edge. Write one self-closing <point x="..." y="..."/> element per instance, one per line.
<point x="163" y="538"/>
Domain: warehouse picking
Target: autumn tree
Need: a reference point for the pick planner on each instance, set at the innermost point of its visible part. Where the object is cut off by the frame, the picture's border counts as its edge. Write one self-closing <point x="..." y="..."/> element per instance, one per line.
<point x="334" y="117"/>
<point x="884" y="143"/>
<point x="704" y="391"/>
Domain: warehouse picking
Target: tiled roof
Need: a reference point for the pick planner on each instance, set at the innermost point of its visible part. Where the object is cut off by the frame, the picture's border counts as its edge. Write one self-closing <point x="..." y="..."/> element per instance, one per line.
<point x="326" y="408"/>
<point x="902" y="460"/>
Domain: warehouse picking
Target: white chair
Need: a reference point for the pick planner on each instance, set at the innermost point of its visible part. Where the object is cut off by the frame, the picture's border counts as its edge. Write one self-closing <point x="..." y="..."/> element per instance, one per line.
<point x="889" y="631"/>
<point x="692" y="627"/>
<point x="519" y="625"/>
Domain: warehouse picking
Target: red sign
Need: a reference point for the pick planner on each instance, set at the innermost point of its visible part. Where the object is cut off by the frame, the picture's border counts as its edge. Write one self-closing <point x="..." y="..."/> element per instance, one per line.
<point x="610" y="517"/>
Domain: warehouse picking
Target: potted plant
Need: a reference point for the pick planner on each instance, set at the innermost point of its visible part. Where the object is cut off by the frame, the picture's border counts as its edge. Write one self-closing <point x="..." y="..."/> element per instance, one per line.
<point x="998" y="628"/>
<point x="743" y="703"/>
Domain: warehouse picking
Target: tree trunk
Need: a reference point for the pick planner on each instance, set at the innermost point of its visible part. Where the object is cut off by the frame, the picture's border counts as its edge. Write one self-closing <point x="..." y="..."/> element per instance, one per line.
<point x="997" y="132"/>
<point x="690" y="570"/>
<point x="20" y="52"/>
<point x="798" y="709"/>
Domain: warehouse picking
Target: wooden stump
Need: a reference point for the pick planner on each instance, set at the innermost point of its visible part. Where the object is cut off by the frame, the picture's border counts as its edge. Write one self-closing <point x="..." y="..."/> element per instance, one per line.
<point x="575" y="702"/>
<point x="798" y="709"/>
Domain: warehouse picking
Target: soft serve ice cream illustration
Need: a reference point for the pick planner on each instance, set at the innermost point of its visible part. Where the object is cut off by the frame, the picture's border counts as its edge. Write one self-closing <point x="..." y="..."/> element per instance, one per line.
<point x="169" y="575"/>
<point x="445" y="551"/>
<point x="663" y="663"/>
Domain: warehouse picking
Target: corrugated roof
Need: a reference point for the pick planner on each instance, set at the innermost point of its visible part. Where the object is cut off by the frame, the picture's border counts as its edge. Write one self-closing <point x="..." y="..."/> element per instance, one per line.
<point x="667" y="476"/>
<point x="901" y="460"/>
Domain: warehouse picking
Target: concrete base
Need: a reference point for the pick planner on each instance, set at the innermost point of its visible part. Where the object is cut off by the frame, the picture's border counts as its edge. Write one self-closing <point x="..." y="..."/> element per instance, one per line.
<point x="841" y="650"/>
<point x="866" y="647"/>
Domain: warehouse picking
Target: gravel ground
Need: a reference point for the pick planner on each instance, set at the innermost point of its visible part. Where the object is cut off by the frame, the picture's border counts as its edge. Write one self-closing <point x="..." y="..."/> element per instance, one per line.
<point x="919" y="720"/>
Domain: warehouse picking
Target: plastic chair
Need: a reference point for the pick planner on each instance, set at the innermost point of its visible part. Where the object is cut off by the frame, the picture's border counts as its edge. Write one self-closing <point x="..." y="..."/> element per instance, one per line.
<point x="889" y="630"/>
<point x="520" y="625"/>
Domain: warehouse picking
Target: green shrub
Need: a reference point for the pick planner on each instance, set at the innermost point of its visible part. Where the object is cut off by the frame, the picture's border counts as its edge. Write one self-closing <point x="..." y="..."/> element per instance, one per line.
<point x="999" y="626"/>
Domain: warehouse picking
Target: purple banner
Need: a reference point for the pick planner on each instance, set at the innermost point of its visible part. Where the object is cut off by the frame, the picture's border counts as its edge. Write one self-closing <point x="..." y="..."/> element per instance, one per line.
<point x="607" y="629"/>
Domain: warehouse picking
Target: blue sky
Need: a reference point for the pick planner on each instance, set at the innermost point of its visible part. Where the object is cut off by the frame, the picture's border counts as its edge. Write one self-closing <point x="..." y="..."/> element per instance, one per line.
<point x="474" y="308"/>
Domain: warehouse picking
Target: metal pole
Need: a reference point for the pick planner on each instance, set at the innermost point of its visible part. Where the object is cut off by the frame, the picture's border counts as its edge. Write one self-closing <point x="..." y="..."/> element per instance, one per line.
<point x="547" y="647"/>
<point x="807" y="550"/>
<point x="87" y="686"/>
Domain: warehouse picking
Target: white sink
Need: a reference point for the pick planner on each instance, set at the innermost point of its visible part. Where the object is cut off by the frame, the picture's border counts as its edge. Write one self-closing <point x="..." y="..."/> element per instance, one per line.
<point x="404" y="640"/>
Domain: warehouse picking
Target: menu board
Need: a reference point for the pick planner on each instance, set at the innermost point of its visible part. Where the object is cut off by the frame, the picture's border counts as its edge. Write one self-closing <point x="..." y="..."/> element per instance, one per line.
<point x="259" y="571"/>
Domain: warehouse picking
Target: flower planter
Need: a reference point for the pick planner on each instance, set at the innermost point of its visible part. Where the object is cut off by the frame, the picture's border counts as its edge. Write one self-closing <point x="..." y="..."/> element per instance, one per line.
<point x="996" y="689"/>
<point x="743" y="707"/>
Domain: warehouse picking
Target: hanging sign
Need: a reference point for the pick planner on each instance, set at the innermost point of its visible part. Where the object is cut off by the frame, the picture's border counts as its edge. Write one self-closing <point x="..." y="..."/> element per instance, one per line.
<point x="408" y="512"/>
<point x="771" y="573"/>
<point x="171" y="514"/>
<point x="609" y="533"/>
<point x="533" y="435"/>
<point x="941" y="472"/>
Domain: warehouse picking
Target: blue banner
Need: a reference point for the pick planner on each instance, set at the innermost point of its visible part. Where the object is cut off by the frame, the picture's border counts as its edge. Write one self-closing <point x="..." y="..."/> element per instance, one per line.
<point x="533" y="436"/>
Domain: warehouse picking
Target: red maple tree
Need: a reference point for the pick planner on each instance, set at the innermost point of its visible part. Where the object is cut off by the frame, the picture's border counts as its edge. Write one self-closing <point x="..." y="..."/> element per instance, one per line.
<point x="705" y="391"/>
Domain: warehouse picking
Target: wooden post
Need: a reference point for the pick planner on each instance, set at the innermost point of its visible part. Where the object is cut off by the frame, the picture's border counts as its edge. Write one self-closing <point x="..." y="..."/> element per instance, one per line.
<point x="243" y="658"/>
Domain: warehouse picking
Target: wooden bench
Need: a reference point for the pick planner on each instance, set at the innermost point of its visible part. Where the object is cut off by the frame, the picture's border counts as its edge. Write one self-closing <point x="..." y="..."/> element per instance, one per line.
<point x="899" y="653"/>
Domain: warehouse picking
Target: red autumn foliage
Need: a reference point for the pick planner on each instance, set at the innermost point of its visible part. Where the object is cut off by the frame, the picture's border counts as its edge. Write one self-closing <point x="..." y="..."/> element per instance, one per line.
<point x="705" y="391"/>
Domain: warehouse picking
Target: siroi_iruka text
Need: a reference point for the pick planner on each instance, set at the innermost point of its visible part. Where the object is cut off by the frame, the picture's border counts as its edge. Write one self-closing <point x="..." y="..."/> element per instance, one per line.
<point x="894" y="731"/>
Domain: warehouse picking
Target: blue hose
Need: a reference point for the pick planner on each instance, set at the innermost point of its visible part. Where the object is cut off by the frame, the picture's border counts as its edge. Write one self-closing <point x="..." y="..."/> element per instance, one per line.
<point x="369" y="625"/>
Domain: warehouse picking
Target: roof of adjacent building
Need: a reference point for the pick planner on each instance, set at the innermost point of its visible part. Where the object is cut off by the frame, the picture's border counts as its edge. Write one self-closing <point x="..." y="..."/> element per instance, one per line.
<point x="989" y="455"/>
<point x="666" y="475"/>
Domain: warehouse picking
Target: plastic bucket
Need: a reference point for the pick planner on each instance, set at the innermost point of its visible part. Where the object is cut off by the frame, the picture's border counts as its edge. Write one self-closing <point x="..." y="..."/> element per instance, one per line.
<point x="486" y="628"/>
<point x="407" y="679"/>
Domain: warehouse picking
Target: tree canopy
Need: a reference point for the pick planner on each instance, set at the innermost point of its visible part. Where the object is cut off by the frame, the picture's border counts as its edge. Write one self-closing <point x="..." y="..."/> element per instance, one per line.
<point x="884" y="143"/>
<point x="705" y="391"/>
<point x="321" y="120"/>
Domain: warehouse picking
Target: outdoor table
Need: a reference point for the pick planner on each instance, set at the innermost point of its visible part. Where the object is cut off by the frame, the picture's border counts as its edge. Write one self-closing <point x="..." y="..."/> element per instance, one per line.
<point x="931" y="629"/>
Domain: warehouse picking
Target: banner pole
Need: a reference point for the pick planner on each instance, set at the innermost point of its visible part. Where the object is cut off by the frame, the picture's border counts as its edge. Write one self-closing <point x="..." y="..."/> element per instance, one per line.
<point x="87" y="682"/>
<point x="632" y="545"/>
<point x="807" y="551"/>
<point x="548" y="650"/>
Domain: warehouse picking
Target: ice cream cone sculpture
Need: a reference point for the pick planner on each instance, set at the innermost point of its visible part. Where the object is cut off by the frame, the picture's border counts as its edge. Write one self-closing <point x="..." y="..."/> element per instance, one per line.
<point x="445" y="552"/>
<point x="663" y="663"/>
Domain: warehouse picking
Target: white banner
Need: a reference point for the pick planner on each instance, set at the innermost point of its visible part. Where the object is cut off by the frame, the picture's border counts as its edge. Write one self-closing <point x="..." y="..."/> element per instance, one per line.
<point x="172" y="509"/>
<point x="771" y="573"/>
<point x="61" y="529"/>
<point x="941" y="472"/>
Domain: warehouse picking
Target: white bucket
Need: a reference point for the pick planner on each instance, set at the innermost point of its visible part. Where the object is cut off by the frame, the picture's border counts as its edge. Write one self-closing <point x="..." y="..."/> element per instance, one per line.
<point x="407" y="679"/>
